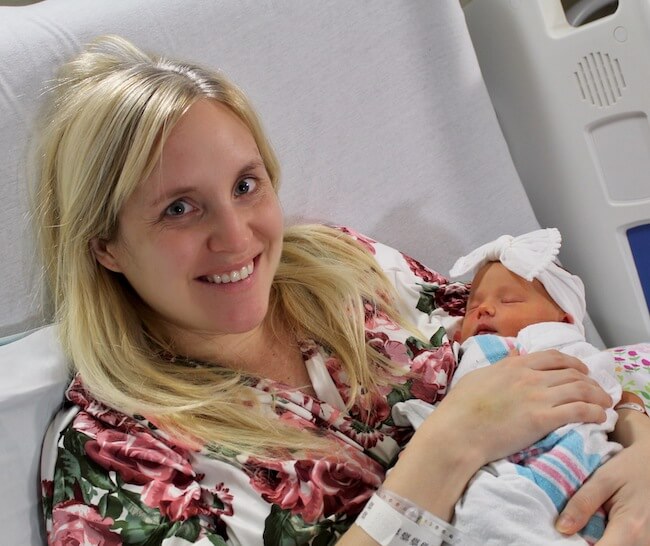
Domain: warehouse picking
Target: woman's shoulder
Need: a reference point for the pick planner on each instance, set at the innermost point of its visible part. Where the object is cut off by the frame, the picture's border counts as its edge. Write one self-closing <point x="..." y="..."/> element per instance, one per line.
<point x="106" y="472"/>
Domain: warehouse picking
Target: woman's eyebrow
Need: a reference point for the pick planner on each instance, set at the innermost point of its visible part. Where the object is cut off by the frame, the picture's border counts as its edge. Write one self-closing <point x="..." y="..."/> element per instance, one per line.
<point x="251" y="166"/>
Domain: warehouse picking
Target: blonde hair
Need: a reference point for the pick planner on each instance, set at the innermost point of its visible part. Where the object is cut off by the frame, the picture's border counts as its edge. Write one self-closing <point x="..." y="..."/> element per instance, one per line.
<point x="112" y="110"/>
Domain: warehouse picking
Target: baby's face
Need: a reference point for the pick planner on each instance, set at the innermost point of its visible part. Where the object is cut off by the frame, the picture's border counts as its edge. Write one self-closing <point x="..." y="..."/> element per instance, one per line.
<point x="503" y="303"/>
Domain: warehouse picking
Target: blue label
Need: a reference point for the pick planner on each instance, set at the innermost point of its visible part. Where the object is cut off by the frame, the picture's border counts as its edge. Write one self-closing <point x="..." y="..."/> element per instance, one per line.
<point x="639" y="239"/>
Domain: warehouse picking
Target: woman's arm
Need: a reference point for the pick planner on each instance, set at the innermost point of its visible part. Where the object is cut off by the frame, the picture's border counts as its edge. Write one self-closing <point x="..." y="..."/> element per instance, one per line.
<point x="491" y="413"/>
<point x="622" y="485"/>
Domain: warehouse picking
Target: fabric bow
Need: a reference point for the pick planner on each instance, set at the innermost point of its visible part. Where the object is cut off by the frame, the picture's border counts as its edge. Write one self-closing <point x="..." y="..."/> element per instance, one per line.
<point x="531" y="256"/>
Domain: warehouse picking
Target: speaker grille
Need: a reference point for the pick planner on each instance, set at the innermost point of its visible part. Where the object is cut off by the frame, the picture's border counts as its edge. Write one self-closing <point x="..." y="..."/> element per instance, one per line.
<point x="600" y="79"/>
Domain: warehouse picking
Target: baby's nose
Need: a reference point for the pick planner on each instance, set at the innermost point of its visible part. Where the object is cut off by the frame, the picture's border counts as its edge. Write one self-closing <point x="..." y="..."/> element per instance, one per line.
<point x="485" y="308"/>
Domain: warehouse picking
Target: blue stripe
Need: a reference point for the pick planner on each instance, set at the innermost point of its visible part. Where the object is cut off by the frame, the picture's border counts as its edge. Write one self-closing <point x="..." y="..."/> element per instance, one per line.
<point x="594" y="529"/>
<point x="493" y="347"/>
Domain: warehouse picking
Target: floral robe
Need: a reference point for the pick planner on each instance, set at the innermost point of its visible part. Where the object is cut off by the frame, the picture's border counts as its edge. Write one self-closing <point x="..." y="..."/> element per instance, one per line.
<point x="110" y="478"/>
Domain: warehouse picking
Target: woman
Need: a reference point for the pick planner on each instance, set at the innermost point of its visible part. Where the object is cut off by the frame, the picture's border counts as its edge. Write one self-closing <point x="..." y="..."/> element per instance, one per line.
<point x="235" y="379"/>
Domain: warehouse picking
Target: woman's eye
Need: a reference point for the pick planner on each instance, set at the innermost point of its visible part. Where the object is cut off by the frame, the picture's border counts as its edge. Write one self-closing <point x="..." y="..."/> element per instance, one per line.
<point x="244" y="186"/>
<point x="178" y="208"/>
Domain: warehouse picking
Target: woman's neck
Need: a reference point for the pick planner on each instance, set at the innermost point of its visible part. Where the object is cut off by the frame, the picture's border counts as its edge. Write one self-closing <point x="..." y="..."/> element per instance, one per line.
<point x="270" y="351"/>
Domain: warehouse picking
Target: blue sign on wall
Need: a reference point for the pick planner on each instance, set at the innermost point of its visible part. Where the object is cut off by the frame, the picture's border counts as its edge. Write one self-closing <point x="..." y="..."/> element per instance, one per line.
<point x="639" y="239"/>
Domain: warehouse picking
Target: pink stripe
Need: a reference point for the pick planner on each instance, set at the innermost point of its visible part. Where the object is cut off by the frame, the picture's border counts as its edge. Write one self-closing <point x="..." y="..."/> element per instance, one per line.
<point x="553" y="474"/>
<point x="571" y="463"/>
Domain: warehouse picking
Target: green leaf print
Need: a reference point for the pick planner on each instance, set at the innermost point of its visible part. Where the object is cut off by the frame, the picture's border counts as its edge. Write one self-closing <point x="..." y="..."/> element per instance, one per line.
<point x="46" y="503"/>
<point x="216" y="540"/>
<point x="87" y="490"/>
<point x="67" y="476"/>
<point x="74" y="442"/>
<point x="425" y="303"/>
<point x="225" y="454"/>
<point x="63" y="482"/>
<point x="70" y="465"/>
<point x="136" y="509"/>
<point x="138" y="533"/>
<point x="189" y="529"/>
<point x="437" y="338"/>
<point x="400" y="393"/>
<point x="110" y="506"/>
<point x="96" y="477"/>
<point x="415" y="345"/>
<point x="284" y="529"/>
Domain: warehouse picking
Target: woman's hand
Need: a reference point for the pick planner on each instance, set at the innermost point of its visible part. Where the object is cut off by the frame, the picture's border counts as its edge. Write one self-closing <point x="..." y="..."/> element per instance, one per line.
<point x="621" y="485"/>
<point x="491" y="413"/>
<point x="510" y="405"/>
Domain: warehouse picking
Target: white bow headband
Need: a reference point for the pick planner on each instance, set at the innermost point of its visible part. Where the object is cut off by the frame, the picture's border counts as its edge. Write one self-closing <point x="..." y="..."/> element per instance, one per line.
<point x="532" y="256"/>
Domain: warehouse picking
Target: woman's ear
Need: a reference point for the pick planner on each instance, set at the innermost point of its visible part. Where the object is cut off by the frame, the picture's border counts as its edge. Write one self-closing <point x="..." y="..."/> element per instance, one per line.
<point x="102" y="252"/>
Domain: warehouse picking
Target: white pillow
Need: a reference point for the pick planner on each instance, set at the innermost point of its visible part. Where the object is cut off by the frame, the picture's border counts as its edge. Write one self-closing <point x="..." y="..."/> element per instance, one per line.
<point x="34" y="378"/>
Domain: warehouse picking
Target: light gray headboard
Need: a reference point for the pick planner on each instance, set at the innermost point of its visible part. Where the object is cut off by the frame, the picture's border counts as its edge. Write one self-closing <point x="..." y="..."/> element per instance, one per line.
<point x="377" y="110"/>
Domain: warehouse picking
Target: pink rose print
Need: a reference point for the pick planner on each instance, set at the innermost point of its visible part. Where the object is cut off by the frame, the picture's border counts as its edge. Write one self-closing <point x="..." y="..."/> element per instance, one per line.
<point x="174" y="502"/>
<point x="364" y="241"/>
<point x="315" y="489"/>
<point x="75" y="524"/>
<point x="452" y="298"/>
<point x="375" y="318"/>
<point x="394" y="350"/>
<point x="433" y="368"/>
<point x="139" y="457"/>
<point x="372" y="408"/>
<point x="424" y="272"/>
<point x="296" y="421"/>
<point x="47" y="488"/>
<point x="95" y="414"/>
<point x="366" y="436"/>
<point x="179" y="503"/>
<point x="339" y="377"/>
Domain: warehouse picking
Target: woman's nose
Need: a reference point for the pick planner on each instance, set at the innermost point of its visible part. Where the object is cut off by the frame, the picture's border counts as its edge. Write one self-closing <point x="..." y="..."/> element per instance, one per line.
<point x="229" y="231"/>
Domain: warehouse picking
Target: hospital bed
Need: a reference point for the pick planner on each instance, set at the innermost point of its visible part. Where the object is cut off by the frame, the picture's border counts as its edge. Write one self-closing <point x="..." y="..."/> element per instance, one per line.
<point x="377" y="110"/>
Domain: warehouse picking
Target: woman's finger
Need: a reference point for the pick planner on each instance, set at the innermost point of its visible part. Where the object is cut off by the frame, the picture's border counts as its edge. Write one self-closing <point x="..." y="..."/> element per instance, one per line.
<point x="575" y="412"/>
<point x="620" y="485"/>
<point x="583" y="391"/>
<point x="567" y="376"/>
<point x="547" y="360"/>
<point x="584" y="503"/>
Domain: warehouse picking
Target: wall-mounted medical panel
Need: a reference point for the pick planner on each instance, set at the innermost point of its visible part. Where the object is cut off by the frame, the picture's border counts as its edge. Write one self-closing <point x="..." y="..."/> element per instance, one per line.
<point x="573" y="103"/>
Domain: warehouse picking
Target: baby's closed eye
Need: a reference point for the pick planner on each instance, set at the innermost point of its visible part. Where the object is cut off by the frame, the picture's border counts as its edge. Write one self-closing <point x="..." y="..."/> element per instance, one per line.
<point x="513" y="299"/>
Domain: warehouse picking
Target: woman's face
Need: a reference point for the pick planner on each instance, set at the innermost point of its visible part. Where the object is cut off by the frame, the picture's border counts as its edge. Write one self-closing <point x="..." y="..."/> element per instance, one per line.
<point x="200" y="239"/>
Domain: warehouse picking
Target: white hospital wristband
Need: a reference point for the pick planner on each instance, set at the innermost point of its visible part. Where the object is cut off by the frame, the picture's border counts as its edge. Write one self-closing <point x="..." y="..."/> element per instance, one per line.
<point x="392" y="520"/>
<point x="631" y="406"/>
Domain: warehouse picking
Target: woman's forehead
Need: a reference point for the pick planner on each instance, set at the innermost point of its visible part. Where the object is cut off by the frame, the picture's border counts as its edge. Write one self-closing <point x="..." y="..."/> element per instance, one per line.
<point x="208" y="138"/>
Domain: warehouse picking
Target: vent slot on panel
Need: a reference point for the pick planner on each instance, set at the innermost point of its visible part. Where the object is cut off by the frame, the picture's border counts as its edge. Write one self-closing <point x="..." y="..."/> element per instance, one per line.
<point x="600" y="79"/>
